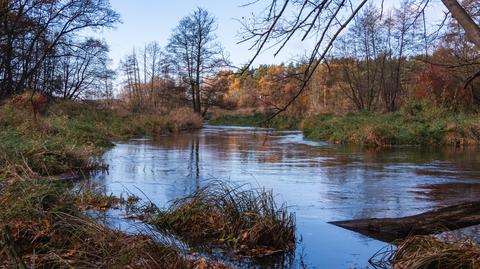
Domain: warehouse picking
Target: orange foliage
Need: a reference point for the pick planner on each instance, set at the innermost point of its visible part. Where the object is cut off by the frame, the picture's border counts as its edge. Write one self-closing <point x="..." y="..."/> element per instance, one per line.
<point x="278" y="86"/>
<point x="29" y="100"/>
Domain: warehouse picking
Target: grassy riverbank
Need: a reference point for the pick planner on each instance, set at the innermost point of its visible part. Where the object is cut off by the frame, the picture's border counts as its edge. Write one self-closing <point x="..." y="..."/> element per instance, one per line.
<point x="65" y="137"/>
<point x="43" y="223"/>
<point x="415" y="124"/>
<point x="258" y="119"/>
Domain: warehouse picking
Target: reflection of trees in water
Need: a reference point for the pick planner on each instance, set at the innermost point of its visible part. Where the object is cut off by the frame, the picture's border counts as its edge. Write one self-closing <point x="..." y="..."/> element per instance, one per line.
<point x="194" y="161"/>
<point x="360" y="180"/>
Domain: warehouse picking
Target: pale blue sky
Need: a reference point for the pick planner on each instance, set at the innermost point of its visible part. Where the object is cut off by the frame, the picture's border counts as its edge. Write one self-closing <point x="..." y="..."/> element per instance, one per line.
<point x="152" y="20"/>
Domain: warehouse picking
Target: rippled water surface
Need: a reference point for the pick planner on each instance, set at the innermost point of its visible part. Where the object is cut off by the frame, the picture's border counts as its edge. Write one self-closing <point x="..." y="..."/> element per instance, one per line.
<point x="320" y="182"/>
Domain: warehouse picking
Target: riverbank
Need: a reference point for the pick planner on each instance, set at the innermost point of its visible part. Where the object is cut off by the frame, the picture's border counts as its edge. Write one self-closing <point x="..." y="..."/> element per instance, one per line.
<point x="44" y="222"/>
<point x="257" y="119"/>
<point x="416" y="124"/>
<point x="63" y="139"/>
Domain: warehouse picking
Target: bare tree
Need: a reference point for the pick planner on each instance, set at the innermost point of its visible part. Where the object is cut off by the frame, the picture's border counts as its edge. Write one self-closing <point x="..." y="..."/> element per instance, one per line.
<point x="323" y="21"/>
<point x="81" y="68"/>
<point x="465" y="20"/>
<point x="195" y="50"/>
<point x="32" y="30"/>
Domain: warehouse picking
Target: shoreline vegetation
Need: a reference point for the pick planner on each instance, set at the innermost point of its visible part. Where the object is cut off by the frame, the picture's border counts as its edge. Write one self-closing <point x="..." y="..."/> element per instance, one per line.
<point x="416" y="124"/>
<point x="244" y="220"/>
<point x="44" y="223"/>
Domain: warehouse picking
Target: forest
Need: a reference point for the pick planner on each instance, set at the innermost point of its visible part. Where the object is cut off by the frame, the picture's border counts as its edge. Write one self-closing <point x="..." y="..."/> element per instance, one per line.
<point x="380" y="79"/>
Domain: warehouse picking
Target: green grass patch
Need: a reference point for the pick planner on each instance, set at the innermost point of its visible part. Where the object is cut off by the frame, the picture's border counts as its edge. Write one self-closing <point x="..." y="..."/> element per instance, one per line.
<point x="258" y="119"/>
<point x="413" y="125"/>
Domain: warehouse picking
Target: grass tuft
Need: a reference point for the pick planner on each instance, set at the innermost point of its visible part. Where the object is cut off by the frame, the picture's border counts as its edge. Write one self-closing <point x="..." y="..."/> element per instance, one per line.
<point x="427" y="252"/>
<point x="248" y="221"/>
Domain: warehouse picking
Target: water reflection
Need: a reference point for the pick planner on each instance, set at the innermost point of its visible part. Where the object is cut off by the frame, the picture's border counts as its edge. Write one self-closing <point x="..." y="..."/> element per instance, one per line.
<point x="320" y="182"/>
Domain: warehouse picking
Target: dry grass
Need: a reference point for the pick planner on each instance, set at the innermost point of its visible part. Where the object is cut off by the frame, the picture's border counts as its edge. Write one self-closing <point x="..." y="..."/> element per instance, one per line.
<point x="42" y="227"/>
<point x="66" y="138"/>
<point x="427" y="252"/>
<point x="248" y="221"/>
<point x="184" y="119"/>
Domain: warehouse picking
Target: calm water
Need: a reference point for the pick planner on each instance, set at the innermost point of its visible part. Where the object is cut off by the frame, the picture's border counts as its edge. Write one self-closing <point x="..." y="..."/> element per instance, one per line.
<point x="320" y="182"/>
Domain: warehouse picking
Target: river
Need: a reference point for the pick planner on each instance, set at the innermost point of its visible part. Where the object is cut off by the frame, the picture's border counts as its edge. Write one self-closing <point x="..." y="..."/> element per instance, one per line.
<point x="319" y="181"/>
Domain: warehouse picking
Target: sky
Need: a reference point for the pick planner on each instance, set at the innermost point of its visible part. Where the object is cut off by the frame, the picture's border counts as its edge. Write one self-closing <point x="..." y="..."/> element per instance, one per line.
<point x="148" y="20"/>
<point x="144" y="21"/>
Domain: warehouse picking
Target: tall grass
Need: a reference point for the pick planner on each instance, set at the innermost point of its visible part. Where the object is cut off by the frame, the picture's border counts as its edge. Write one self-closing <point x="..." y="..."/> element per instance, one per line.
<point x="248" y="221"/>
<point x="68" y="136"/>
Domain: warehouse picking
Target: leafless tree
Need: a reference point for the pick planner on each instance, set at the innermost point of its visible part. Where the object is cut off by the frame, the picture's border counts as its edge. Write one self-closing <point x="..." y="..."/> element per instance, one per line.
<point x="323" y="21"/>
<point x="32" y="30"/>
<point x="80" y="69"/>
<point x="196" y="52"/>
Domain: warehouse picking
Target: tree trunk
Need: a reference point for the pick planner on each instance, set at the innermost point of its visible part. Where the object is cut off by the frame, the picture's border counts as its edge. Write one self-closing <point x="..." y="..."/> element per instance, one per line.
<point x="465" y="20"/>
<point x="435" y="221"/>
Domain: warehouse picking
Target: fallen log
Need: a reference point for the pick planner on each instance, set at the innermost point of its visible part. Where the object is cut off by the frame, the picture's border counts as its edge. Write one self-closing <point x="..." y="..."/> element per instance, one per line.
<point x="431" y="222"/>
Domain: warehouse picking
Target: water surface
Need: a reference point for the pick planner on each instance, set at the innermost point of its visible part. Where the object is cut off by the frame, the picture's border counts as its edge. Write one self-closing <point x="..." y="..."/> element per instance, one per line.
<point x="319" y="181"/>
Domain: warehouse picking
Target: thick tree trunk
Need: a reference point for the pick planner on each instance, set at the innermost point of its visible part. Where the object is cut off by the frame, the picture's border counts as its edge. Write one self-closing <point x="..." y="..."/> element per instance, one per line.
<point x="465" y="20"/>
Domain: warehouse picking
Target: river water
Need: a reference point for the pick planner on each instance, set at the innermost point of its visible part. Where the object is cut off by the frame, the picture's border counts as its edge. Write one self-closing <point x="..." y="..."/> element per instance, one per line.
<point x="318" y="181"/>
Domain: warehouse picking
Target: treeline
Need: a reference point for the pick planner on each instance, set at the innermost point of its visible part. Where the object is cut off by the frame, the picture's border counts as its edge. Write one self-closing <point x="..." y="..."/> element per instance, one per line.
<point x="44" y="47"/>
<point x="382" y="62"/>
<point x="181" y="73"/>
